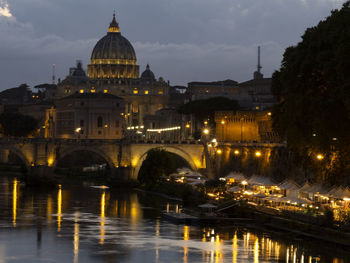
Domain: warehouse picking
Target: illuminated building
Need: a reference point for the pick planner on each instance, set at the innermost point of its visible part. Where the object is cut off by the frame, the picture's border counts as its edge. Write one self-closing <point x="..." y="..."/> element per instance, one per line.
<point x="89" y="115"/>
<point x="245" y="126"/>
<point x="113" y="69"/>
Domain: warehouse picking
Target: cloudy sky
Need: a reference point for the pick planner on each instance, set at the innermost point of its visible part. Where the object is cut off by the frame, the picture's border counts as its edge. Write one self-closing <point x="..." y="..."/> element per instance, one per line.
<point x="183" y="40"/>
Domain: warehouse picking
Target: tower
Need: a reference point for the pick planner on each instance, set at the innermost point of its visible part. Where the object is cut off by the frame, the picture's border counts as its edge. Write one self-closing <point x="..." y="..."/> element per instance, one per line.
<point x="258" y="74"/>
<point x="53" y="74"/>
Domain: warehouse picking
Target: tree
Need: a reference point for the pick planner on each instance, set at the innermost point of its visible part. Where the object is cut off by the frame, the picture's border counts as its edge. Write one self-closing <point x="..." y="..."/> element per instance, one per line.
<point x="313" y="87"/>
<point x="158" y="164"/>
<point x="18" y="125"/>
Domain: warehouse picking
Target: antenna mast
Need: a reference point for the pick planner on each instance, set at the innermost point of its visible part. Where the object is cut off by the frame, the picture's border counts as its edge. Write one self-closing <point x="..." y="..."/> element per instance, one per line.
<point x="259" y="66"/>
<point x="53" y="74"/>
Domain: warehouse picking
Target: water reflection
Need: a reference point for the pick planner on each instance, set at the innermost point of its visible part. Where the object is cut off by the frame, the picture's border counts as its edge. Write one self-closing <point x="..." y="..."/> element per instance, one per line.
<point x="102" y="223"/>
<point x="76" y="237"/>
<point x="108" y="225"/>
<point x="14" y="202"/>
<point x="234" y="248"/>
<point x="59" y="208"/>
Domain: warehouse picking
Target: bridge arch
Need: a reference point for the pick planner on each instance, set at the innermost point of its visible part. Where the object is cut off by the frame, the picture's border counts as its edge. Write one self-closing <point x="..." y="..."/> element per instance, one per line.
<point x="19" y="153"/>
<point x="137" y="163"/>
<point x="97" y="151"/>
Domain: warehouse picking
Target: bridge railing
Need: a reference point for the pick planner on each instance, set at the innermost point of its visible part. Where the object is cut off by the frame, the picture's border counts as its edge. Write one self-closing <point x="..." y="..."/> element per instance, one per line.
<point x="14" y="140"/>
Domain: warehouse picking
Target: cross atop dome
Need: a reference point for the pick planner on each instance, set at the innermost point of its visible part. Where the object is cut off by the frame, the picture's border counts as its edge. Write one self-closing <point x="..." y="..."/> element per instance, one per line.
<point x="113" y="26"/>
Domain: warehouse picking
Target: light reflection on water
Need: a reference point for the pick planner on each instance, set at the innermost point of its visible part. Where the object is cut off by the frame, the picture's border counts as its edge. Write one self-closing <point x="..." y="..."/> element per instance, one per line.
<point x="96" y="225"/>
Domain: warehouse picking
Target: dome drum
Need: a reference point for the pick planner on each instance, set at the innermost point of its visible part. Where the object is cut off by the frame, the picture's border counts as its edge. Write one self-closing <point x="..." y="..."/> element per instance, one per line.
<point x="106" y="71"/>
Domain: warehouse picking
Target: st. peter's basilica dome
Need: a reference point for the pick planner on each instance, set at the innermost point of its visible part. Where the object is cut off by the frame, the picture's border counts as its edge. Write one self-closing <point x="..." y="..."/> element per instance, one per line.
<point x="113" y="56"/>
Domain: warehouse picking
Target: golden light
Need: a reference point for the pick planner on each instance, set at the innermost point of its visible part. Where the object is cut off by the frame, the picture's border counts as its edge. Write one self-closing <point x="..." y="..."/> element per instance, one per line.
<point x="102" y="223"/>
<point x="269" y="113"/>
<point x="81" y="91"/>
<point x="50" y="161"/>
<point x="59" y="208"/>
<point x="188" y="126"/>
<point x="92" y="91"/>
<point x="205" y="123"/>
<point x="49" y="209"/>
<point x="76" y="237"/>
<point x="236" y="152"/>
<point x="257" y="153"/>
<point x="219" y="151"/>
<point x="106" y="125"/>
<point x="135" y="91"/>
<point x="234" y="248"/>
<point x="206" y="131"/>
<point x="146" y="92"/>
<point x="186" y="233"/>
<point x="319" y="157"/>
<point x="78" y="129"/>
<point x="222" y="122"/>
<point x="256" y="251"/>
<point x="244" y="182"/>
<point x="14" y="202"/>
<point x="105" y="91"/>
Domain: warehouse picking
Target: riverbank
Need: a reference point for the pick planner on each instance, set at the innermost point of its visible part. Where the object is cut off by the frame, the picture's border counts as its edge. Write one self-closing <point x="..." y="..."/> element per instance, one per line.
<point x="249" y="216"/>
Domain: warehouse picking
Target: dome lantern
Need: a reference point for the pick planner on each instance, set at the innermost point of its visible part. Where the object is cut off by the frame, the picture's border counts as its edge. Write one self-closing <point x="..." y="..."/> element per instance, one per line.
<point x="113" y="26"/>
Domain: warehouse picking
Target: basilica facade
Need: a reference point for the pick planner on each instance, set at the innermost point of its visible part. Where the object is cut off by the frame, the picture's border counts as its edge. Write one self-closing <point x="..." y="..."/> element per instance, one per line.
<point x="113" y="69"/>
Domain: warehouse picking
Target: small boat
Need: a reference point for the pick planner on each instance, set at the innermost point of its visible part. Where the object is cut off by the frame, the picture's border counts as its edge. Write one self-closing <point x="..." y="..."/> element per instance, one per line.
<point x="180" y="218"/>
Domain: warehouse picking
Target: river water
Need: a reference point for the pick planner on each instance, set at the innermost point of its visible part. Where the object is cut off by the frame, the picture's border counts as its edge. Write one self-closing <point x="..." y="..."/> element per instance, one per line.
<point x="87" y="224"/>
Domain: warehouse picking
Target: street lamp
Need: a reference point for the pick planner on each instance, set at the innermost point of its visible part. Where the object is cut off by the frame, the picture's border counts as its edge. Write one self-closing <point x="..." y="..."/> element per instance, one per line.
<point x="319" y="157"/>
<point x="257" y="153"/>
<point x="206" y="131"/>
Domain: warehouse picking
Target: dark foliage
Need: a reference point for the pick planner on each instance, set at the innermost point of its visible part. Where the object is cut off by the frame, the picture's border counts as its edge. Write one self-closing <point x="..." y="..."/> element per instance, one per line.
<point x="18" y="125"/>
<point x="158" y="164"/>
<point x="313" y="87"/>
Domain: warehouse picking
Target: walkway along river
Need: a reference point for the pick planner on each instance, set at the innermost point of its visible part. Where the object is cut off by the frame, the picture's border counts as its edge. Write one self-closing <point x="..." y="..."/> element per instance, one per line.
<point x="89" y="224"/>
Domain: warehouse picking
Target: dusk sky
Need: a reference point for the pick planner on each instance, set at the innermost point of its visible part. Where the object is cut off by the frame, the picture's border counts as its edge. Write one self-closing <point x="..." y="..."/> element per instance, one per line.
<point x="182" y="40"/>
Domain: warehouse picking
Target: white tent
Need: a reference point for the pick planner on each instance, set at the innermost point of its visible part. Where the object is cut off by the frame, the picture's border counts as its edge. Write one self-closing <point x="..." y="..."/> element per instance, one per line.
<point x="289" y="185"/>
<point x="294" y="199"/>
<point x="260" y="180"/>
<point x="234" y="189"/>
<point x="236" y="176"/>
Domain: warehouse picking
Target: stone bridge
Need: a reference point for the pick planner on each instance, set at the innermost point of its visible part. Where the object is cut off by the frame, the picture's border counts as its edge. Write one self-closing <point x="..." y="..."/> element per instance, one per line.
<point x="123" y="158"/>
<point x="119" y="154"/>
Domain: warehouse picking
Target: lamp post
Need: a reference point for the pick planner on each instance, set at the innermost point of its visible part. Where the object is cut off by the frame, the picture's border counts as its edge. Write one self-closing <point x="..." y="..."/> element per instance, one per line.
<point x="208" y="159"/>
<point x="241" y="120"/>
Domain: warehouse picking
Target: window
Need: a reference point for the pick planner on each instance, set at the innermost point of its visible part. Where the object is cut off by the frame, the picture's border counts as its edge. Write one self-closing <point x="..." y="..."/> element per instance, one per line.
<point x="81" y="91"/>
<point x="136" y="91"/>
<point x="160" y="92"/>
<point x="105" y="91"/>
<point x="81" y="123"/>
<point x="92" y="90"/>
<point x="146" y="92"/>
<point x="99" y="122"/>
